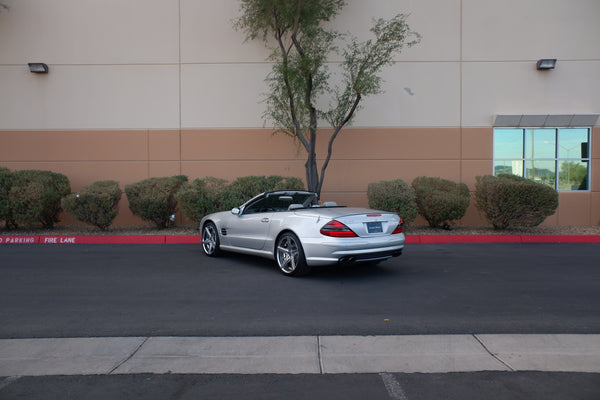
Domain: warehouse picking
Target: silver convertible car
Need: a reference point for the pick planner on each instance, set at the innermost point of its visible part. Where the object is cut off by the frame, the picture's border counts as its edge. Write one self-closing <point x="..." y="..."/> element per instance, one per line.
<point x="287" y="227"/>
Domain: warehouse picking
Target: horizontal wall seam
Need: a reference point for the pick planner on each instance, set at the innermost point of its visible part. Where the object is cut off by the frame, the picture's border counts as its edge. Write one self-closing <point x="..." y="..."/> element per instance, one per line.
<point x="212" y="63"/>
<point x="238" y="159"/>
<point x="204" y="129"/>
<point x="257" y="160"/>
<point x="331" y="62"/>
<point x="255" y="129"/>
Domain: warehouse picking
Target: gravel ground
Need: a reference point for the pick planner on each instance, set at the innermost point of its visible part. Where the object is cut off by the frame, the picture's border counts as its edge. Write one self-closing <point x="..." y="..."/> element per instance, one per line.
<point x="82" y="229"/>
<point x="486" y="230"/>
<point x="148" y="229"/>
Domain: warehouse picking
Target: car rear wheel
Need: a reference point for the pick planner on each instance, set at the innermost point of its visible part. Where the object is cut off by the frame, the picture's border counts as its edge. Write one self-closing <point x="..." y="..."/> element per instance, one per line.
<point x="290" y="256"/>
<point x="210" y="240"/>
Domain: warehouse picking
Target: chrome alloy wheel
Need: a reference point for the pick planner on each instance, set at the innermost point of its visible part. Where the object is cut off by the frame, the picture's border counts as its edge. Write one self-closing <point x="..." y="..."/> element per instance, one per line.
<point x="287" y="254"/>
<point x="210" y="239"/>
<point x="290" y="255"/>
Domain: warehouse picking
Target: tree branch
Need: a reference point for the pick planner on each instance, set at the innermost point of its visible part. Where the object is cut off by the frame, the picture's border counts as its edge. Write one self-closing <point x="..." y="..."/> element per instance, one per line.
<point x="290" y="94"/>
<point x="333" y="137"/>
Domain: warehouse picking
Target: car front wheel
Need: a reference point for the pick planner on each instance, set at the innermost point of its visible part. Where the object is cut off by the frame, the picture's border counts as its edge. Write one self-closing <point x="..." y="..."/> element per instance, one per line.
<point x="290" y="256"/>
<point x="210" y="240"/>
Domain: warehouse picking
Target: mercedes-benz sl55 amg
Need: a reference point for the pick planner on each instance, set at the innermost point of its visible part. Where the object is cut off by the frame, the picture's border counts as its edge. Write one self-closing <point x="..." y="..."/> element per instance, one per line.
<point x="286" y="226"/>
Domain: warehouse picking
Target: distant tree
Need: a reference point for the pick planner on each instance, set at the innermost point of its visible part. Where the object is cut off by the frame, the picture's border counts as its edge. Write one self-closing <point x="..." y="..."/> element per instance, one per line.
<point x="573" y="175"/>
<point x="300" y="47"/>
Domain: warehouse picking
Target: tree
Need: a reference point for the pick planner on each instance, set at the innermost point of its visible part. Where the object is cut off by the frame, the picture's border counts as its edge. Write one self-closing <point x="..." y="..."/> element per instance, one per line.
<point x="300" y="47"/>
<point x="573" y="176"/>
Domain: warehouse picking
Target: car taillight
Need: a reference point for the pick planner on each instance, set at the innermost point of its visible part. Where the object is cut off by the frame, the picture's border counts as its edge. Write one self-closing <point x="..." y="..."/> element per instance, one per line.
<point x="337" y="229"/>
<point x="399" y="228"/>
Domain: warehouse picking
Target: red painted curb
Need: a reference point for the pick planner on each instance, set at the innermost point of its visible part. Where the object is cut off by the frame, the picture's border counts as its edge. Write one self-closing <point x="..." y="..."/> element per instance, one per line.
<point x="19" y="239"/>
<point x="126" y="239"/>
<point x="183" y="239"/>
<point x="412" y="239"/>
<point x="470" y="239"/>
<point x="561" y="239"/>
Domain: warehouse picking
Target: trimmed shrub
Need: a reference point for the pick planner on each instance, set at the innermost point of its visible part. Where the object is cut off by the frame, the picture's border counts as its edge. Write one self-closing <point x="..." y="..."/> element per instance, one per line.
<point x="96" y="204"/>
<point x="154" y="200"/>
<point x="35" y="196"/>
<point x="394" y="196"/>
<point x="246" y="187"/>
<point x="5" y="185"/>
<point x="202" y="197"/>
<point x="441" y="201"/>
<point x="510" y="201"/>
<point x="208" y="195"/>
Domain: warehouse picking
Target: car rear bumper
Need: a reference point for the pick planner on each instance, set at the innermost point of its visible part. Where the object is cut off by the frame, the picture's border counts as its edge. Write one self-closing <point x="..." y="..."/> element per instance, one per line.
<point x="326" y="251"/>
<point x="369" y="257"/>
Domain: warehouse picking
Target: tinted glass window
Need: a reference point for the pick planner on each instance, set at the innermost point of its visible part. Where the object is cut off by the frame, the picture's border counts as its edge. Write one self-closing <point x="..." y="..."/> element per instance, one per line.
<point x="540" y="143"/>
<point x="508" y="143"/>
<point x="555" y="157"/>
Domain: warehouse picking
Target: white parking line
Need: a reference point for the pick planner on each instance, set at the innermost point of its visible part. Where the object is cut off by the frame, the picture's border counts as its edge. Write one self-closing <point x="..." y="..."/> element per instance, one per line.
<point x="393" y="386"/>
<point x="7" y="381"/>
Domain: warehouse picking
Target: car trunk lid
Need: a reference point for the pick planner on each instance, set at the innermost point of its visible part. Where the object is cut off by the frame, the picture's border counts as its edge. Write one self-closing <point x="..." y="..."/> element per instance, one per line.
<point x="370" y="223"/>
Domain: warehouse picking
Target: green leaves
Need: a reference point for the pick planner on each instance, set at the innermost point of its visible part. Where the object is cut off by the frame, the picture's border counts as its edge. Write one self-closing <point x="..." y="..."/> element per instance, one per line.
<point x="394" y="196"/>
<point x="510" y="201"/>
<point x="300" y="51"/>
<point x="154" y="199"/>
<point x="262" y="18"/>
<point x="96" y="204"/>
<point x="363" y="61"/>
<point x="208" y="195"/>
<point x="34" y="197"/>
<point x="441" y="201"/>
<point x="5" y="185"/>
<point x="202" y="197"/>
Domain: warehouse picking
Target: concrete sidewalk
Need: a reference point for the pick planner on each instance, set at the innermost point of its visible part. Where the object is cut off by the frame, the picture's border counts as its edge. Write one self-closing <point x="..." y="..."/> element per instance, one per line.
<point x="299" y="354"/>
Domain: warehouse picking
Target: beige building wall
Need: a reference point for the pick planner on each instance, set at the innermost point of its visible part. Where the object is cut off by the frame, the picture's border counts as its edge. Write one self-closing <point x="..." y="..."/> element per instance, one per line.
<point x="142" y="88"/>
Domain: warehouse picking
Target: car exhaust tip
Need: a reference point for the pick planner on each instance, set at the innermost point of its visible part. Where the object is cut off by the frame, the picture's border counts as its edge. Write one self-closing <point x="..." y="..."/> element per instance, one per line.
<point x="370" y="258"/>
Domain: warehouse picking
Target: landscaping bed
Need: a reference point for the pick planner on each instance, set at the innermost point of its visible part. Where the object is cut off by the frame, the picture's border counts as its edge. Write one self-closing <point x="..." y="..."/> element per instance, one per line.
<point x="182" y="230"/>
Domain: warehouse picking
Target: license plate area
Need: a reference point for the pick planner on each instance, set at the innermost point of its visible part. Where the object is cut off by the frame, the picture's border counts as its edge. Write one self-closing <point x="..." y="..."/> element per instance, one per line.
<point x="374" y="227"/>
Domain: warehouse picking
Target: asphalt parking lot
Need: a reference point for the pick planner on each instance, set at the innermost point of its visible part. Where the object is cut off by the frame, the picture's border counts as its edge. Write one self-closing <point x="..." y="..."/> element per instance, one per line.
<point x="453" y="386"/>
<point x="484" y="292"/>
<point x="173" y="290"/>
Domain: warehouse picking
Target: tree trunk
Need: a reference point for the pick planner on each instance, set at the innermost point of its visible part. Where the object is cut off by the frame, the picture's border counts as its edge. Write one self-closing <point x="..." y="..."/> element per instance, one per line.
<point x="312" y="177"/>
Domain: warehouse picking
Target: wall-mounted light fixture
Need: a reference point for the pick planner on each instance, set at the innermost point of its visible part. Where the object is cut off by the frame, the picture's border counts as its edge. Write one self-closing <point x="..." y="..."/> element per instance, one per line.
<point x="546" y="63"/>
<point x="38" y="68"/>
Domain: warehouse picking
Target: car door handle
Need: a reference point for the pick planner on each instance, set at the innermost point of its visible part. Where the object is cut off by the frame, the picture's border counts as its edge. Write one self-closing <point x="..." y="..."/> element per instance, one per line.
<point x="264" y="220"/>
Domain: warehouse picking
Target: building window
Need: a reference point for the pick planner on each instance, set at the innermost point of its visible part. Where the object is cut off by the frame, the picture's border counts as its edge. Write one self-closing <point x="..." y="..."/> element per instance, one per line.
<point x="557" y="157"/>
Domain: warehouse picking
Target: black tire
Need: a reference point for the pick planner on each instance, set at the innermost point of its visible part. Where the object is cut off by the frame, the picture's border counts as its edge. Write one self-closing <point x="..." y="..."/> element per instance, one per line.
<point x="211" y="245"/>
<point x="289" y="255"/>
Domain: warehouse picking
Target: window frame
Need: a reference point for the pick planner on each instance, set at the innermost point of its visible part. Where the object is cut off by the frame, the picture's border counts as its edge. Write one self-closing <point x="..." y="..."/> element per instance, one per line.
<point x="557" y="159"/>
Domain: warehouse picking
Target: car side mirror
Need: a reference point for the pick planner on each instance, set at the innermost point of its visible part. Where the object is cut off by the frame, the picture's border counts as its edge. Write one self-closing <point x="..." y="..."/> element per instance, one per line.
<point x="235" y="211"/>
